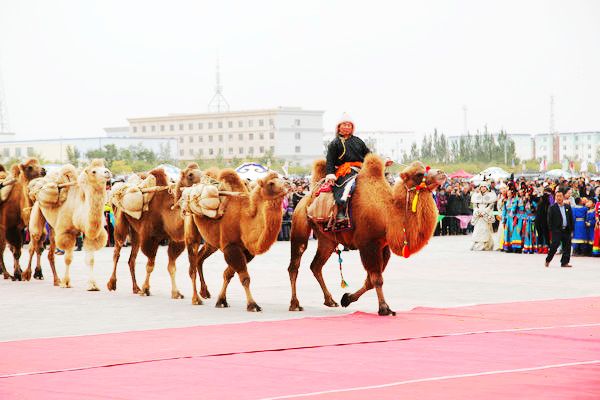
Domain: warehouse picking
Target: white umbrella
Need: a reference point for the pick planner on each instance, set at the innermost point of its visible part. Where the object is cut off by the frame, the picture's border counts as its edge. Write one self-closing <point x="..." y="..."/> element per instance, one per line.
<point x="172" y="171"/>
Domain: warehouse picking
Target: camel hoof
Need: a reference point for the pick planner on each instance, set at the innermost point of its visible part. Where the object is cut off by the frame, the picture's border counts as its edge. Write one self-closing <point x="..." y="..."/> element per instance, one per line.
<point x="111" y="285"/>
<point x="18" y="276"/>
<point x="145" y="292"/>
<point x="65" y="285"/>
<point x="345" y="301"/>
<point x="26" y="275"/>
<point x="196" y="301"/>
<point x="295" y="306"/>
<point x="205" y="293"/>
<point x="253" y="307"/>
<point x="176" y="295"/>
<point x="92" y="287"/>
<point x="385" y="310"/>
<point x="38" y="274"/>
<point x="136" y="290"/>
<point x="56" y="282"/>
<point x="331" y="303"/>
<point x="7" y="276"/>
<point x="221" y="303"/>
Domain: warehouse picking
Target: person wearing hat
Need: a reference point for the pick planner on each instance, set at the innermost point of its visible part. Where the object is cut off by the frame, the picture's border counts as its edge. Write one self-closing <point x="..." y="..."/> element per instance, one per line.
<point x="345" y="155"/>
<point x="483" y="217"/>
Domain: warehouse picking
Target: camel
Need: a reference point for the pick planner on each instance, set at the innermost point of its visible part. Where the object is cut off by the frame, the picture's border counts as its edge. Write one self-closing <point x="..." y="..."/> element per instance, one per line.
<point x="380" y="214"/>
<point x="81" y="212"/>
<point x="248" y="228"/>
<point x="15" y="211"/>
<point x="37" y="236"/>
<point x="160" y="222"/>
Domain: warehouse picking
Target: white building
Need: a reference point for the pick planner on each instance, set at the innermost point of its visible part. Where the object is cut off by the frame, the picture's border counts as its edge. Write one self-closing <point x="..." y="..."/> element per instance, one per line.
<point x="392" y="144"/>
<point x="55" y="150"/>
<point x="285" y="132"/>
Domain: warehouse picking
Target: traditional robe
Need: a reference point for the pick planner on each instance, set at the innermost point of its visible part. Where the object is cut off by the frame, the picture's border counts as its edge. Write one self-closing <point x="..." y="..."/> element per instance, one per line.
<point x="339" y="152"/>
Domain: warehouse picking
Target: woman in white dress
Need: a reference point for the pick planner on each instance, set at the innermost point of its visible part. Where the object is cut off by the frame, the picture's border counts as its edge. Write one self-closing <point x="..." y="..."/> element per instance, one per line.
<point x="483" y="217"/>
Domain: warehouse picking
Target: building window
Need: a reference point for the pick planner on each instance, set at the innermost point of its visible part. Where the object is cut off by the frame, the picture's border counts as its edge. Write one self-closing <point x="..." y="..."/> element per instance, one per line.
<point x="191" y="151"/>
<point x="190" y="126"/>
<point x="241" y="136"/>
<point x="181" y="152"/>
<point x="271" y="122"/>
<point x="6" y="152"/>
<point x="210" y="152"/>
<point x="200" y="125"/>
<point x="220" y="124"/>
<point x="297" y="122"/>
<point x="210" y="125"/>
<point x="262" y="149"/>
<point x="153" y="128"/>
<point x="240" y="124"/>
<point x="171" y="128"/>
<point x="30" y="152"/>
<point x="272" y="149"/>
<point x="230" y="150"/>
<point x="143" y="129"/>
<point x="181" y="139"/>
<point x="191" y="139"/>
<point x="220" y="138"/>
<point x="564" y="148"/>
<point x="230" y="124"/>
<point x="200" y="139"/>
<point x="271" y="135"/>
<point x="241" y="150"/>
<point x="297" y="149"/>
<point x="297" y="136"/>
<point x="180" y="127"/>
<point x="251" y="136"/>
<point x="210" y="138"/>
<point x="250" y="123"/>
<point x="162" y="128"/>
<point x="134" y="129"/>
<point x="261" y="122"/>
<point x="576" y="147"/>
<point x="261" y="136"/>
<point x="201" y="152"/>
<point x="251" y="150"/>
<point x="230" y="136"/>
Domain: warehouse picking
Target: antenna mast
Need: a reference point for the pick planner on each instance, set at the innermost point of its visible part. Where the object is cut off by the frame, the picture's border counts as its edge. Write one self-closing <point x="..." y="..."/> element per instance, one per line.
<point x="218" y="103"/>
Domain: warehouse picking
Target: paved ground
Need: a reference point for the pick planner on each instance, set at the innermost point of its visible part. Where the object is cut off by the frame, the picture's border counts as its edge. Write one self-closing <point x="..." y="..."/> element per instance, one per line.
<point x="446" y="273"/>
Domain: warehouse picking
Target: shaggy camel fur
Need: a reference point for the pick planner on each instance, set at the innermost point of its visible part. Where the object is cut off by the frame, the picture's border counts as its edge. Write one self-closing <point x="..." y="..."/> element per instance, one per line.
<point x="15" y="211"/>
<point x="248" y="228"/>
<point x="162" y="221"/>
<point x="82" y="212"/>
<point x="380" y="215"/>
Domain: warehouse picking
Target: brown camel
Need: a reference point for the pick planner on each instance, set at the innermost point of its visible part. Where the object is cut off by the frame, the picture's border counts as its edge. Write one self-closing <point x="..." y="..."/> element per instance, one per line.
<point x="37" y="237"/>
<point x="15" y="211"/>
<point x="81" y="212"/>
<point x="380" y="214"/>
<point x="160" y="222"/>
<point x="248" y="228"/>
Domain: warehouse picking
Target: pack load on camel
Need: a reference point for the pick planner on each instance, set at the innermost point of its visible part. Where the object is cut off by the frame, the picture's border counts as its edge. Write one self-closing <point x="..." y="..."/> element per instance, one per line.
<point x="208" y="198"/>
<point x="6" y="184"/>
<point x="134" y="195"/>
<point x="398" y="219"/>
<point x="51" y="190"/>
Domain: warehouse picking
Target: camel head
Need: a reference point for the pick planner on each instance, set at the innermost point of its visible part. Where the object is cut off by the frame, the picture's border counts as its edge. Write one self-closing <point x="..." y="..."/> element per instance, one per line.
<point x="190" y="175"/>
<point x="96" y="174"/>
<point x="272" y="187"/>
<point x="31" y="169"/>
<point x="414" y="173"/>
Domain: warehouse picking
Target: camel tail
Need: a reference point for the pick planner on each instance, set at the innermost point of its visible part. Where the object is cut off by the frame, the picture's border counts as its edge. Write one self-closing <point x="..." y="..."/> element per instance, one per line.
<point x="318" y="171"/>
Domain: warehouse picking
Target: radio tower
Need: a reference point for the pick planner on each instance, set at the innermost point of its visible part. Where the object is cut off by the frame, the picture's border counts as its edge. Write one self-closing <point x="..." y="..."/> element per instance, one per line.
<point x="218" y="103"/>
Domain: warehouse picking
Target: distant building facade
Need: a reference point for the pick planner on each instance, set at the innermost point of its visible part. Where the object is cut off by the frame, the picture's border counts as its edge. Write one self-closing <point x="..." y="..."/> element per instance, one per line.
<point x="285" y="132"/>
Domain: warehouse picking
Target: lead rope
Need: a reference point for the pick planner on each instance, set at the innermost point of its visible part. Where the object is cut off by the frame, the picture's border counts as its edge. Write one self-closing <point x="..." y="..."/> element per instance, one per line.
<point x="343" y="284"/>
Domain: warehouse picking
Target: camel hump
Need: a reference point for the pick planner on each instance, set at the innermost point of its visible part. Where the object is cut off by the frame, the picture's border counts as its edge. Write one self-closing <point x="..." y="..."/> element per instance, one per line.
<point x="233" y="180"/>
<point x="319" y="171"/>
<point x="161" y="176"/>
<point x="212" y="172"/>
<point x="373" y="166"/>
<point x="67" y="173"/>
<point x="97" y="162"/>
<point x="15" y="170"/>
<point x="192" y="165"/>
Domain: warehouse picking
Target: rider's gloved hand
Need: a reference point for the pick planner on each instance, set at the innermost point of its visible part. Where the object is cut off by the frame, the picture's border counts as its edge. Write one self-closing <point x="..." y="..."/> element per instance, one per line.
<point x="330" y="178"/>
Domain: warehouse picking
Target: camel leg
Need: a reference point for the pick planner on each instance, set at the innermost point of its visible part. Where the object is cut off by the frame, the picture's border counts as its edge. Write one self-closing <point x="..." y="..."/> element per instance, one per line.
<point x="192" y="250"/>
<point x="66" y="281"/>
<point x="112" y="282"/>
<point x="236" y="258"/>
<point x="227" y="275"/>
<point x="3" y="269"/>
<point x="374" y="259"/>
<point x="89" y="260"/>
<point x="31" y="251"/>
<point x="298" y="242"/>
<point x="149" y="248"/>
<point x="174" y="250"/>
<point x="51" y="257"/>
<point x="135" y="248"/>
<point x="39" y="250"/>
<point x="15" y="241"/>
<point x="205" y="252"/>
<point x="324" y="249"/>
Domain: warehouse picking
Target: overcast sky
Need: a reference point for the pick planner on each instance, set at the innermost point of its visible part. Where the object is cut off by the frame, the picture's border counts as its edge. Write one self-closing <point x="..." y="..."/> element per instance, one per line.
<point x="71" y="68"/>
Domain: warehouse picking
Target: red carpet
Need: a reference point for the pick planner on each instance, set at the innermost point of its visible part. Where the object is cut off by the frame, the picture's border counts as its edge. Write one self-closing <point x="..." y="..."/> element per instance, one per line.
<point x="540" y="349"/>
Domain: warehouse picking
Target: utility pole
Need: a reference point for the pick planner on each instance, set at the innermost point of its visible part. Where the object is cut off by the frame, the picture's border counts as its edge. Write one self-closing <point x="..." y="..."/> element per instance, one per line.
<point x="218" y="102"/>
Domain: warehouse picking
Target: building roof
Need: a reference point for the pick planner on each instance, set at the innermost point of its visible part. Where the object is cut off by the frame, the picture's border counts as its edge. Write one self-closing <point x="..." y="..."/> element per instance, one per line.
<point x="226" y="114"/>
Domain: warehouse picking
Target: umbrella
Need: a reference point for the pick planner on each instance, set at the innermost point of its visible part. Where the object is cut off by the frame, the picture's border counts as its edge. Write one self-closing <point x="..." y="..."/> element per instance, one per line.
<point x="172" y="171"/>
<point x="461" y="174"/>
<point x="557" y="173"/>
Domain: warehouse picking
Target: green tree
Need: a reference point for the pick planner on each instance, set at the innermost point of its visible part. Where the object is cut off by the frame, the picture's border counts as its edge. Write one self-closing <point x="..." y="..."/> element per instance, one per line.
<point x="73" y="155"/>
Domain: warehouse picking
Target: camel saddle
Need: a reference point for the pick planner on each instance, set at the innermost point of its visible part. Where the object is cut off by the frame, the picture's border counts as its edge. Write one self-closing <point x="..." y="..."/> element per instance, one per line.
<point x="203" y="199"/>
<point x="6" y="185"/>
<point x="131" y="197"/>
<point x="51" y="190"/>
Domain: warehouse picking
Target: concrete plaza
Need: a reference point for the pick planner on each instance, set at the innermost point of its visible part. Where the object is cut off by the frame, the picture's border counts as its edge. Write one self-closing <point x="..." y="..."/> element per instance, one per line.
<point x="444" y="274"/>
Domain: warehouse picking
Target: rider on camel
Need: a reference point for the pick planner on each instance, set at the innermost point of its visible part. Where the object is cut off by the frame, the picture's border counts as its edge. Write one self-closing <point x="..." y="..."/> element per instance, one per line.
<point x="345" y="155"/>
